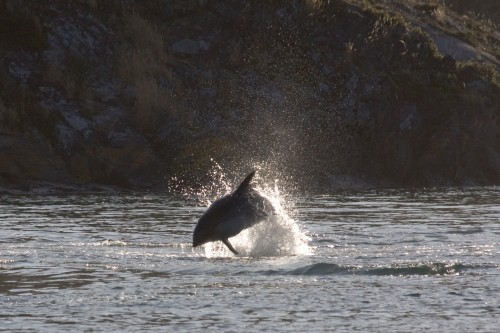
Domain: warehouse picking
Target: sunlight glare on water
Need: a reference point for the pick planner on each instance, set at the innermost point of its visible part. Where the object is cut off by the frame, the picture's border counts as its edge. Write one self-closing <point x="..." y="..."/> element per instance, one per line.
<point x="371" y="261"/>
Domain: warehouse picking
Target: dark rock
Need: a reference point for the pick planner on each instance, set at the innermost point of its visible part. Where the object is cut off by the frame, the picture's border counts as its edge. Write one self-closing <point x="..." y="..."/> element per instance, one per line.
<point x="411" y="118"/>
<point x="190" y="46"/>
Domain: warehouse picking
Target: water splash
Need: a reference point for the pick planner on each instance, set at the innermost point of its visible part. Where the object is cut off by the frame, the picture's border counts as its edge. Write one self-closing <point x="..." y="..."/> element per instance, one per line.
<point x="280" y="235"/>
<point x="209" y="191"/>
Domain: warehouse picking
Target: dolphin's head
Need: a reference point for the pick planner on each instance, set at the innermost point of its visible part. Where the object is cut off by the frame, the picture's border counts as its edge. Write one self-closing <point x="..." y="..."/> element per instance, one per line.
<point x="205" y="228"/>
<point x="197" y="238"/>
<point x="203" y="231"/>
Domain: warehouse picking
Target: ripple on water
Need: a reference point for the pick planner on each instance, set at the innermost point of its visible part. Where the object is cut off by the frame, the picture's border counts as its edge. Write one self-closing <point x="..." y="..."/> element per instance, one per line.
<point x="416" y="269"/>
<point x="376" y="261"/>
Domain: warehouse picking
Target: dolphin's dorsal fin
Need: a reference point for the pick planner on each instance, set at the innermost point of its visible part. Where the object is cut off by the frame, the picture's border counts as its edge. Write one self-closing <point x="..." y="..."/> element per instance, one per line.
<point x="245" y="184"/>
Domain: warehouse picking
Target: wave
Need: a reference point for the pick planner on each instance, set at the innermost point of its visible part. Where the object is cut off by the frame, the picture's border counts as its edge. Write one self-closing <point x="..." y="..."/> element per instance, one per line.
<point x="19" y="281"/>
<point x="330" y="269"/>
<point x="418" y="269"/>
<point x="425" y="269"/>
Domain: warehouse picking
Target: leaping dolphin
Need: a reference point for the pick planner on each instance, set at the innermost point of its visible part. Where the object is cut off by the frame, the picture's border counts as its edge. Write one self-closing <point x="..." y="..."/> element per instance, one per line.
<point x="231" y="214"/>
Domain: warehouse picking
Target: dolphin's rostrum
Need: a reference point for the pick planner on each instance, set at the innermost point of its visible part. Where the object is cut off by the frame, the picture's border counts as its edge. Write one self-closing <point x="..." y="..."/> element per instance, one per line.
<point x="231" y="214"/>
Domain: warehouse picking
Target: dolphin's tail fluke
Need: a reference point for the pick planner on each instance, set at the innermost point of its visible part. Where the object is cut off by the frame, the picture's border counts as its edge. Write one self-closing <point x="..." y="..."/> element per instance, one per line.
<point x="245" y="184"/>
<point x="229" y="246"/>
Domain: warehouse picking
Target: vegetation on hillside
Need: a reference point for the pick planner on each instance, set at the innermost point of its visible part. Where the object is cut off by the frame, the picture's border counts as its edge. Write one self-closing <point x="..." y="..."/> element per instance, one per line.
<point x="323" y="93"/>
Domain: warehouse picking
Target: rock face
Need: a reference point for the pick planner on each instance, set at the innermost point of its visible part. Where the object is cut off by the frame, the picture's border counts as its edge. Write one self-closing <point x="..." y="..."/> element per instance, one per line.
<point x="331" y="94"/>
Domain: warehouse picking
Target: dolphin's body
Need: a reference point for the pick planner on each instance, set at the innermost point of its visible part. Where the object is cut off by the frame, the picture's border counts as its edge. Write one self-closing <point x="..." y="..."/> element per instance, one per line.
<point x="231" y="214"/>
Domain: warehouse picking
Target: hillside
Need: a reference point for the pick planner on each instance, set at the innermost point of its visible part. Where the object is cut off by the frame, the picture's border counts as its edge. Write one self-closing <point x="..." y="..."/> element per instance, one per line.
<point x="488" y="10"/>
<point x="324" y="94"/>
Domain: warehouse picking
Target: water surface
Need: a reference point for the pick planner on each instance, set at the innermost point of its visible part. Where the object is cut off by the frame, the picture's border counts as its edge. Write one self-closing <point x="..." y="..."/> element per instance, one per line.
<point x="373" y="261"/>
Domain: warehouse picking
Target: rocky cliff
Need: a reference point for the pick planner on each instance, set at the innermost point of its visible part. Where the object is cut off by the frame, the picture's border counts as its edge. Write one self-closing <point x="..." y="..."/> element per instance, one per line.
<point x="327" y="94"/>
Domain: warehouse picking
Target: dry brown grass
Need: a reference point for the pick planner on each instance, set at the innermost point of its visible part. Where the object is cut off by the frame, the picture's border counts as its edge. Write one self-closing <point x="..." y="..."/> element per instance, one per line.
<point x="134" y="64"/>
<point x="474" y="29"/>
<point x="153" y="101"/>
<point x="142" y="33"/>
<point x="313" y="5"/>
<point x="142" y="62"/>
<point x="349" y="50"/>
<point x="145" y="53"/>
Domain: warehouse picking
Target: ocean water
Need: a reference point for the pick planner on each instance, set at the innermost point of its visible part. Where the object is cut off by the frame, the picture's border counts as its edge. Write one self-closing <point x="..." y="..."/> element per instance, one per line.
<point x="369" y="261"/>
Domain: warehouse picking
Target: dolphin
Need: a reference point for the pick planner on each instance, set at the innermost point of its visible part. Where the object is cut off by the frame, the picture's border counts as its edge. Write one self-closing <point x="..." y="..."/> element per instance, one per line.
<point x="231" y="214"/>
